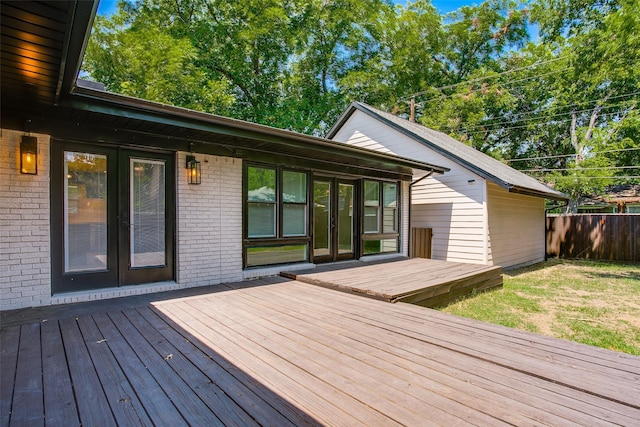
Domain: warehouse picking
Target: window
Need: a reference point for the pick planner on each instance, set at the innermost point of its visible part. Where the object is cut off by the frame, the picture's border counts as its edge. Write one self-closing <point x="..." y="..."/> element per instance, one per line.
<point x="261" y="202"/>
<point x="294" y="203"/>
<point x="276" y="254"/>
<point x="371" y="207"/>
<point x="380" y="222"/>
<point x="390" y="208"/>
<point x="276" y="215"/>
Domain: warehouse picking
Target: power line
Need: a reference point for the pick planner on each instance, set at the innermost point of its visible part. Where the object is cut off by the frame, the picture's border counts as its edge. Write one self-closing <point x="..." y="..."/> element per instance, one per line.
<point x="557" y="121"/>
<point x="579" y="169"/>
<point x="412" y="95"/>
<point x="571" y="155"/>
<point x="439" y="97"/>
<point x="600" y="177"/>
<point x="579" y="103"/>
<point x="404" y="108"/>
<point x="536" y="118"/>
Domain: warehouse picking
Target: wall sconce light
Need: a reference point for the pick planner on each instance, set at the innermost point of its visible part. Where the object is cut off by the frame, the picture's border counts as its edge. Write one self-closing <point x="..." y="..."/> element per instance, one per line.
<point x="29" y="155"/>
<point x="472" y="181"/>
<point x="195" y="173"/>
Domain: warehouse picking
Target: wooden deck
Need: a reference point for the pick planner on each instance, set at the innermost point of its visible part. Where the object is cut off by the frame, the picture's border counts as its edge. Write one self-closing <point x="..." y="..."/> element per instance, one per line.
<point x="425" y="282"/>
<point x="279" y="352"/>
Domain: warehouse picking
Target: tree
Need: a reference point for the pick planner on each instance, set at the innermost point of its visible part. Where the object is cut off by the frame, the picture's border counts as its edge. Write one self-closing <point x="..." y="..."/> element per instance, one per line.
<point x="562" y="108"/>
<point x="145" y="62"/>
<point x="601" y="87"/>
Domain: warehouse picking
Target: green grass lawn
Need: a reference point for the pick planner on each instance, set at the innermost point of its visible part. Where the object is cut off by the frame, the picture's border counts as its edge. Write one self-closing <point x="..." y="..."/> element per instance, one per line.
<point x="595" y="303"/>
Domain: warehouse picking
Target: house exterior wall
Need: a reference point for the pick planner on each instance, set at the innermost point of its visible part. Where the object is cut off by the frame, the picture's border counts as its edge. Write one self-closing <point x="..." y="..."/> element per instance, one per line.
<point x="208" y="229"/>
<point x="516" y="233"/>
<point x="449" y="204"/>
<point x="209" y="222"/>
<point x="25" y="259"/>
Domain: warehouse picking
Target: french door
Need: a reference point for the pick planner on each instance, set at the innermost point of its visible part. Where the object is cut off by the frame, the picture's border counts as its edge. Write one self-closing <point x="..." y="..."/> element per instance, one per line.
<point x="334" y="225"/>
<point x="112" y="216"/>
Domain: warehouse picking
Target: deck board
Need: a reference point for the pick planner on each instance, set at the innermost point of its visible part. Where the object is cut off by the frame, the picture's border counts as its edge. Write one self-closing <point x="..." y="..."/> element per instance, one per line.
<point x="142" y="372"/>
<point x="209" y="393"/>
<point x="28" y="387"/>
<point x="92" y="404"/>
<point x="248" y="393"/>
<point x="392" y="344"/>
<point x="9" y="342"/>
<point x="321" y="363"/>
<point x="365" y="364"/>
<point x="485" y="346"/>
<point x="278" y="373"/>
<point x="122" y="398"/>
<point x="281" y="352"/>
<point x="187" y="403"/>
<point x="59" y="400"/>
<point x="419" y="281"/>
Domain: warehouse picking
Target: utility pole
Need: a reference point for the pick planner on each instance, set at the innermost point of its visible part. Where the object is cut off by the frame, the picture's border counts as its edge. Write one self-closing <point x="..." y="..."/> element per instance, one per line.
<point x="412" y="116"/>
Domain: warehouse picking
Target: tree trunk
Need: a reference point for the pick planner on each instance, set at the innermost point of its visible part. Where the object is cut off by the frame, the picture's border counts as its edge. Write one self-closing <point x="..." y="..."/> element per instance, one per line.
<point x="572" y="206"/>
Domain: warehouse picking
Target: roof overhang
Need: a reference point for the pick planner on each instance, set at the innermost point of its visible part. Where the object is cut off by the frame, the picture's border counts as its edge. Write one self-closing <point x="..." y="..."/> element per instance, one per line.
<point x="40" y="94"/>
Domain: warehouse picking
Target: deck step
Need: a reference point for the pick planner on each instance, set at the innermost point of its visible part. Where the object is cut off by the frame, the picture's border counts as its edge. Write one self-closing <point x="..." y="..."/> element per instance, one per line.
<point x="424" y="282"/>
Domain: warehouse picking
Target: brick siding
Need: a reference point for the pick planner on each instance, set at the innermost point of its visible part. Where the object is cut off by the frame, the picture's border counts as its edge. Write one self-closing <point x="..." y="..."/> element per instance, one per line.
<point x="209" y="216"/>
<point x="25" y="261"/>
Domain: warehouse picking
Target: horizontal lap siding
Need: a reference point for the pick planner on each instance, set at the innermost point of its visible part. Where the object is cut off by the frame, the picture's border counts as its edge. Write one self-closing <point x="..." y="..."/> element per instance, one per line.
<point x="516" y="228"/>
<point x="449" y="204"/>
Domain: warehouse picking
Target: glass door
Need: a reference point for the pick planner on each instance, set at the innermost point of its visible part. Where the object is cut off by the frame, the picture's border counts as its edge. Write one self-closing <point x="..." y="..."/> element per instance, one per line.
<point x="345" y="220"/>
<point x="146" y="217"/>
<point x="333" y="220"/>
<point x="112" y="217"/>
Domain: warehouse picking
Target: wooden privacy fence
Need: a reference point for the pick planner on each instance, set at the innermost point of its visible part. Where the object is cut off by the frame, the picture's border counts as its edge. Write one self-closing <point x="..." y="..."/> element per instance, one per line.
<point x="606" y="237"/>
<point x="421" y="242"/>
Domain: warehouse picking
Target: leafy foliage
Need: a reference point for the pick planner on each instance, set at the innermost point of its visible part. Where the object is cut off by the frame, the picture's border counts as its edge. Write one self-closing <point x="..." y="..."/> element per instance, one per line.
<point x="566" y="103"/>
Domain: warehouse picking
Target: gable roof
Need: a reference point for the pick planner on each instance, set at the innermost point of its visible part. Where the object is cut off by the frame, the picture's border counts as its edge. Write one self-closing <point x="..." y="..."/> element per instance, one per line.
<point x="468" y="157"/>
<point x="42" y="47"/>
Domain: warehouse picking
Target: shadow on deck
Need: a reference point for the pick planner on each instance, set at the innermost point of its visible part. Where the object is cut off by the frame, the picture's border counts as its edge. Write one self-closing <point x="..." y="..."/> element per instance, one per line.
<point x="424" y="282"/>
<point x="281" y="352"/>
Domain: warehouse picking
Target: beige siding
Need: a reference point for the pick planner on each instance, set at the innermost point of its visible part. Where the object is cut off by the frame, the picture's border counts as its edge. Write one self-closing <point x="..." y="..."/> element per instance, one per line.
<point x="516" y="228"/>
<point x="449" y="203"/>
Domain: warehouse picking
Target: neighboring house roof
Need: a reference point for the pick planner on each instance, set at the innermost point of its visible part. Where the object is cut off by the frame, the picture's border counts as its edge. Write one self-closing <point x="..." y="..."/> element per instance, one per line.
<point x="626" y="193"/>
<point x="42" y="47"/>
<point x="468" y="157"/>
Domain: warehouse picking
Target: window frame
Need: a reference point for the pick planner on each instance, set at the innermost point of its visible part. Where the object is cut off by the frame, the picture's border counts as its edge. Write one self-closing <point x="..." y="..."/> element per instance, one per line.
<point x="279" y="239"/>
<point x="367" y="237"/>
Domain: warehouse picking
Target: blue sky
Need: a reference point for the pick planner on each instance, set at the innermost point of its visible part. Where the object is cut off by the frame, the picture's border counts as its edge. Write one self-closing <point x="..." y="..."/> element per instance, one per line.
<point x="107" y="7"/>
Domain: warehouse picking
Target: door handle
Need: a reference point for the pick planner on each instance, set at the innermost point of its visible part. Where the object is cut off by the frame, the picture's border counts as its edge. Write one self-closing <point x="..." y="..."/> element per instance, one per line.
<point x="124" y="220"/>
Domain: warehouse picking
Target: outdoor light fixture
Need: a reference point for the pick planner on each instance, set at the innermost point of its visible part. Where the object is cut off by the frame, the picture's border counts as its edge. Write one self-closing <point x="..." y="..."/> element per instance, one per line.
<point x="195" y="173"/>
<point x="29" y="155"/>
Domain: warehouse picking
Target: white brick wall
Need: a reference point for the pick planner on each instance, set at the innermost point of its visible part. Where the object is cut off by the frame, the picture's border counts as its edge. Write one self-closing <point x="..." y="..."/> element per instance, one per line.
<point x="209" y="222"/>
<point x="25" y="262"/>
<point x="208" y="216"/>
